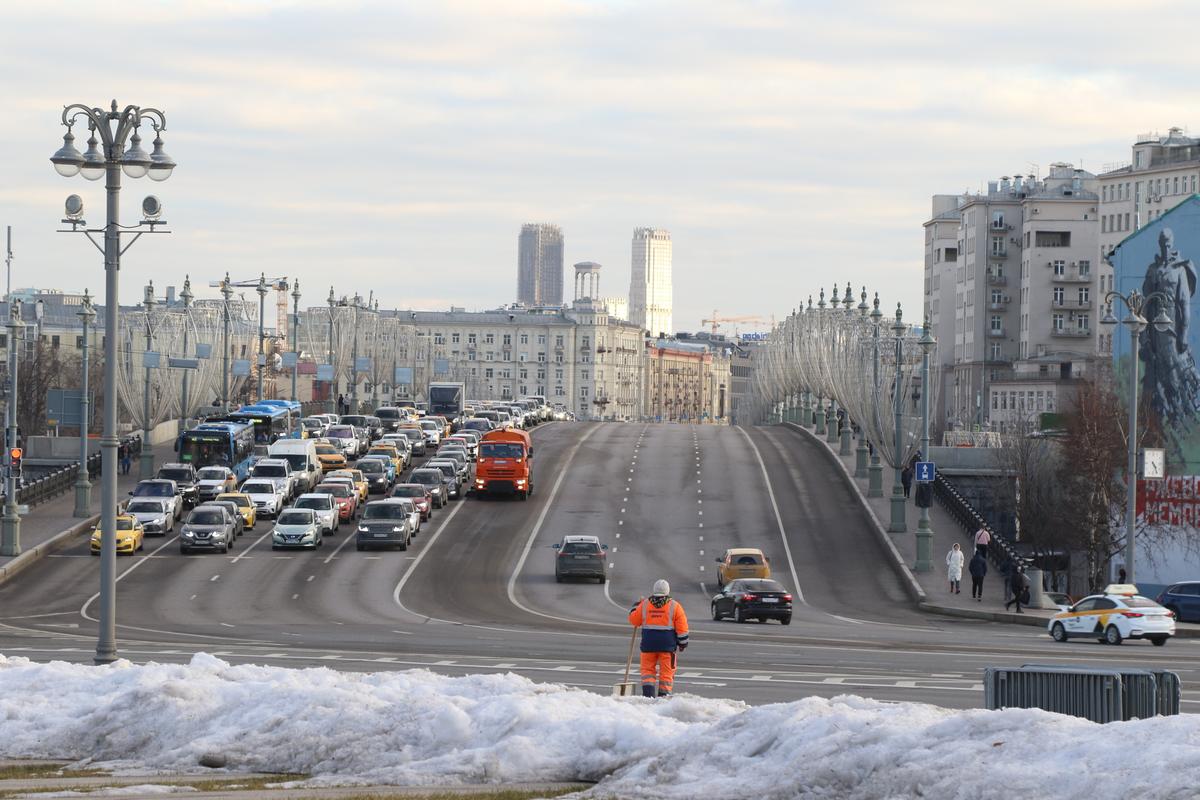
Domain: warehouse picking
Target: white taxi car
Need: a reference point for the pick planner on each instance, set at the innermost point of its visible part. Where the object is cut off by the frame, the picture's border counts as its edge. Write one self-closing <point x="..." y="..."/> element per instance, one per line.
<point x="1118" y="613"/>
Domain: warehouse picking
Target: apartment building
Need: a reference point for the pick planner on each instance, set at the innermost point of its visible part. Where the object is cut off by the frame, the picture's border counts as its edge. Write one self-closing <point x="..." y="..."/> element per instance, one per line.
<point x="1162" y="172"/>
<point x="540" y="265"/>
<point x="941" y="268"/>
<point x="686" y="381"/>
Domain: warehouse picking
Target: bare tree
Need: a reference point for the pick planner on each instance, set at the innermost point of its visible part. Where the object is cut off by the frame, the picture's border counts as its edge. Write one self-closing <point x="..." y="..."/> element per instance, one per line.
<point x="1030" y="464"/>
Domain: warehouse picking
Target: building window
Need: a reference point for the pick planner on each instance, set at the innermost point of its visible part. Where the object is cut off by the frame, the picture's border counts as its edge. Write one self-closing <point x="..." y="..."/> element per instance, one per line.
<point x="489" y="373"/>
<point x="997" y="245"/>
<point x="524" y="338"/>
<point x="542" y="357"/>
<point x="997" y="297"/>
<point x="507" y="340"/>
<point x="998" y="220"/>
<point x="995" y="351"/>
<point x="1175" y="185"/>
<point x="997" y="324"/>
<point x="1060" y="295"/>
<point x="1052" y="239"/>
<point x="489" y="338"/>
<point x="1058" y="321"/>
<point x="558" y="340"/>
<point x="470" y="355"/>
<point x="558" y="374"/>
<point x="559" y="391"/>
<point x="471" y="341"/>
<point x="1085" y="267"/>
<point x="583" y="375"/>
<point x="1083" y="323"/>
<point x="1104" y="223"/>
<point x="456" y="338"/>
<point x="1085" y="295"/>
<point x="541" y="338"/>
<point x="1060" y="267"/>
<point x="491" y="356"/>
<point x="439" y="338"/>
<point x="523" y="357"/>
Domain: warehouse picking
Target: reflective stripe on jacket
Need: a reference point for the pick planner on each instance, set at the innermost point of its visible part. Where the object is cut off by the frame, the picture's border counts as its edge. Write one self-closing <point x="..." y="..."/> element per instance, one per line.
<point x="663" y="628"/>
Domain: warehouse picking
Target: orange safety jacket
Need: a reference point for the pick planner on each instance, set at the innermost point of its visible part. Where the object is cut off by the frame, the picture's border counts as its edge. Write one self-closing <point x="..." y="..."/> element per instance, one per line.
<point x="664" y="628"/>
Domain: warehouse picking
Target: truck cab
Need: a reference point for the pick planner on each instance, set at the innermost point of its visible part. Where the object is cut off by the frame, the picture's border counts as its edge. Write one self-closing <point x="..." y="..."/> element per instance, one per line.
<point x="504" y="463"/>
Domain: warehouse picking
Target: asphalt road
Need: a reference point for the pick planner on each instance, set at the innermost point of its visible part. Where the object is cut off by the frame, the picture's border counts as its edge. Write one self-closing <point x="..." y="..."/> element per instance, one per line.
<point x="477" y="591"/>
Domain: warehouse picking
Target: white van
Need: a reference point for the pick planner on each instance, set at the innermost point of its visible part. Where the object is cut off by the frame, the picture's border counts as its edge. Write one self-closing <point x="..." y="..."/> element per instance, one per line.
<point x="301" y="455"/>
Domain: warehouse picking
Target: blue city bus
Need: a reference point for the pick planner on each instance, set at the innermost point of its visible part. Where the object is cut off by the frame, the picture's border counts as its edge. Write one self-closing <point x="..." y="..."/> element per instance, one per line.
<point x="270" y="422"/>
<point x="218" y="444"/>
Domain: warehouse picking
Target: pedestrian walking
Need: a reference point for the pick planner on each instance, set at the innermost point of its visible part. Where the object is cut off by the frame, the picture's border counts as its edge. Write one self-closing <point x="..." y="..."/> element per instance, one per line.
<point x="126" y="461"/>
<point x="1020" y="589"/>
<point x="906" y="478"/>
<point x="664" y="635"/>
<point x="954" y="565"/>
<point x="343" y="406"/>
<point x="1121" y="575"/>
<point x="982" y="539"/>
<point x="978" y="569"/>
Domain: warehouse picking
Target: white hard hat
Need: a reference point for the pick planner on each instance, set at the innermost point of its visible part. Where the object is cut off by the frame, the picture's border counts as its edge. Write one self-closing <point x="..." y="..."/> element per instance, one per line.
<point x="661" y="588"/>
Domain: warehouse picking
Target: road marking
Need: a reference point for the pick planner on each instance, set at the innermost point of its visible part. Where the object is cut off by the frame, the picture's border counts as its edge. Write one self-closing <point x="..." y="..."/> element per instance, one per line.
<point x="337" y="549"/>
<point x="417" y="559"/>
<point x="246" y="552"/>
<point x="193" y="597"/>
<point x="226" y="625"/>
<point x="296" y="597"/>
<point x="787" y="549"/>
<point x="84" y="609"/>
<point x="213" y="578"/>
<point x="760" y="677"/>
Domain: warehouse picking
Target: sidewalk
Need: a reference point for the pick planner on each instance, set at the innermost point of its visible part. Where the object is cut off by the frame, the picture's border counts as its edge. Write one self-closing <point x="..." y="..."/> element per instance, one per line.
<point x="50" y="525"/>
<point x="934" y="595"/>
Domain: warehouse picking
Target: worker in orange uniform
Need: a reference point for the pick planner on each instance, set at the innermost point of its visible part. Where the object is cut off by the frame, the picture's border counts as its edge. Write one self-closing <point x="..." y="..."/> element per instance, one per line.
<point x="664" y="634"/>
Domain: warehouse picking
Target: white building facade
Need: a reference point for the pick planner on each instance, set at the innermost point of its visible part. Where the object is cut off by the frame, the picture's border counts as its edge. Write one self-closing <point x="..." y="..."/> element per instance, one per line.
<point x="650" y="292"/>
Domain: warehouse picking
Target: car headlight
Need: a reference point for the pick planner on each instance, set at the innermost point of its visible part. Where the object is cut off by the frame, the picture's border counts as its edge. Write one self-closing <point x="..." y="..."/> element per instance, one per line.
<point x="188" y="534"/>
<point x="397" y="530"/>
<point x="363" y="529"/>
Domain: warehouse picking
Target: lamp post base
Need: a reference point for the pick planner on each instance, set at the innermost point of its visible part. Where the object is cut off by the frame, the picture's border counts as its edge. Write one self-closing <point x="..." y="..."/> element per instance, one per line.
<point x="924" y="562"/>
<point x="860" y="460"/>
<point x="146" y="465"/>
<point x="83" y="497"/>
<point x="875" y="478"/>
<point x="10" y="531"/>
<point x="105" y="656"/>
<point x="845" y="448"/>
<point x="819" y="421"/>
<point x="897" y="524"/>
<point x="831" y="426"/>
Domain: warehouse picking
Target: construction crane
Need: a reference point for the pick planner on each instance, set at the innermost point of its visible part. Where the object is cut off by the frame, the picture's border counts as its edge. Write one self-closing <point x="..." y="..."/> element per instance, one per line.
<point x="717" y="320"/>
<point x="280" y="285"/>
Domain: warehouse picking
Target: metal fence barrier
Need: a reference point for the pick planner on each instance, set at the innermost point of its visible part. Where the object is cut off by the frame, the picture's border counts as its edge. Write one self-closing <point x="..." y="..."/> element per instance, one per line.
<point x="1100" y="695"/>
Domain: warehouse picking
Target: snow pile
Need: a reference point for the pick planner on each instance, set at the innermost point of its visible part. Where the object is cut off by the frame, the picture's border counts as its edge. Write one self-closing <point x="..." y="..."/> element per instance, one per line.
<point x="418" y="728"/>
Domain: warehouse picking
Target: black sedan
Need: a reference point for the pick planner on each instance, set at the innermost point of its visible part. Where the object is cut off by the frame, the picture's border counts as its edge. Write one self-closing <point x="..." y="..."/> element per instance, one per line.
<point x="753" y="598"/>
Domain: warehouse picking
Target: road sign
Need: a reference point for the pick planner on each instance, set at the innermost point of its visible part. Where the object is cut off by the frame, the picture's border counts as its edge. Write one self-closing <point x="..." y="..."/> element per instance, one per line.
<point x="403" y="376"/>
<point x="63" y="406"/>
<point x="290" y="360"/>
<point x="240" y="367"/>
<point x="325" y="372"/>
<point x="926" y="471"/>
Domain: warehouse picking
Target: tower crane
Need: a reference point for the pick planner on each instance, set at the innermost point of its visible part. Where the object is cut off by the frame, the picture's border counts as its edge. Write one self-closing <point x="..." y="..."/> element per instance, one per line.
<point x="280" y="285"/>
<point x="717" y="320"/>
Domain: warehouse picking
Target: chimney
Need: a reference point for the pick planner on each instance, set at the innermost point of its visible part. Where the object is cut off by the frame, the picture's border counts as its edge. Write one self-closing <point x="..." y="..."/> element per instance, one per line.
<point x="992" y="187"/>
<point x="1004" y="185"/>
<point x="170" y="295"/>
<point x="1017" y="183"/>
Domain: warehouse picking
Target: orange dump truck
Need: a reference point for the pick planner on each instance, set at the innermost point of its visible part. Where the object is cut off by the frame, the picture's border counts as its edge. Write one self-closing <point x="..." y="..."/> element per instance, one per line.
<point x="505" y="463"/>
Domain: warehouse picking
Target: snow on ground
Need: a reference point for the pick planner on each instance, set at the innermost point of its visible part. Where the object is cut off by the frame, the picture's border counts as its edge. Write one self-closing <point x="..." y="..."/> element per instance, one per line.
<point x="419" y="728"/>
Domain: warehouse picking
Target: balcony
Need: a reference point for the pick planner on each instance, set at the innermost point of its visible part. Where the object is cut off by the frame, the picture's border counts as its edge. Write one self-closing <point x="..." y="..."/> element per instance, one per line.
<point x="1002" y="253"/>
<point x="1071" y="305"/>
<point x="996" y="333"/>
<point x="996" y="280"/>
<point x="1071" y="333"/>
<point x="1072" y="276"/>
<point x="1001" y="306"/>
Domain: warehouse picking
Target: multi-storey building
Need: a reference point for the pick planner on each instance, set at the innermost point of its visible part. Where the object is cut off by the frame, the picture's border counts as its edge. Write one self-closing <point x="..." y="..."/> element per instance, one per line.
<point x="1163" y="172"/>
<point x="1024" y="286"/>
<point x="686" y="381"/>
<point x="540" y="265"/>
<point x="650" y="300"/>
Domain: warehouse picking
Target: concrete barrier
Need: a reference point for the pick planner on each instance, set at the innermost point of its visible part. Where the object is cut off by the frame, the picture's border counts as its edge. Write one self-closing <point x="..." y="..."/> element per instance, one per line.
<point x="54" y="543"/>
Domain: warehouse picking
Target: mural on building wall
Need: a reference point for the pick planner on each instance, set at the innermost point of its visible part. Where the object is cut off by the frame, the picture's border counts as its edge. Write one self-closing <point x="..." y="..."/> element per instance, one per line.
<point x="1162" y="258"/>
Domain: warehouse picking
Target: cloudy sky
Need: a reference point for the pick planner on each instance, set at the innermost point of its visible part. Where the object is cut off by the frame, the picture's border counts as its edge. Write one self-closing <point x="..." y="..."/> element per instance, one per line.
<point x="398" y="147"/>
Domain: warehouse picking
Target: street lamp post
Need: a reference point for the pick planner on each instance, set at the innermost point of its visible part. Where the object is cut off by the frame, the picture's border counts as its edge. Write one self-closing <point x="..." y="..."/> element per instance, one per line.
<point x="1135" y="321"/>
<point x="262" y="334"/>
<point x="875" y="470"/>
<point x="83" y="486"/>
<point x="924" y="561"/>
<point x="115" y="127"/>
<point x="10" y="525"/>
<point x="184" y="403"/>
<point x="356" y="303"/>
<point x="860" y="452"/>
<point x="146" y="460"/>
<point x="897" y="524"/>
<point x="226" y="295"/>
<point x="333" y="385"/>
<point x="295" y="333"/>
<point x="844" y="446"/>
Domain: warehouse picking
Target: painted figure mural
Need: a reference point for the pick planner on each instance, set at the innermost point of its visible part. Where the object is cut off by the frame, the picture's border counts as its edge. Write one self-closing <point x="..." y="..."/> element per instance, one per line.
<point x="1171" y="382"/>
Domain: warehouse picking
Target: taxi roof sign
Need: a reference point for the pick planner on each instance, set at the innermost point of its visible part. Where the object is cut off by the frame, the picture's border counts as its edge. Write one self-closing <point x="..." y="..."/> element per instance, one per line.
<point x="1121" y="589"/>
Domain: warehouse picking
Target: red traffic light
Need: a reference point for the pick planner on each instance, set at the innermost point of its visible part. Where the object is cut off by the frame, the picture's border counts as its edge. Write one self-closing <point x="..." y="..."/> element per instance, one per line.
<point x="15" y="453"/>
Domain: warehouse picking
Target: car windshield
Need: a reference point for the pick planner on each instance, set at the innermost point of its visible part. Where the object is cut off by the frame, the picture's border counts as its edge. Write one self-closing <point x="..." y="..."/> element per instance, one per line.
<point x="356" y="420"/>
<point x="760" y="586"/>
<point x="316" y="503"/>
<point x="205" y="516"/>
<point x="258" y="488"/>
<point x="427" y="477"/>
<point x="269" y="471"/>
<point x="500" y="450"/>
<point x="408" y="491"/>
<point x="145" y="507"/>
<point x="297" y="462"/>
<point x="211" y="474"/>
<point x="153" y="490"/>
<point x="175" y="474"/>
<point x="336" y="489"/>
<point x="340" y="432"/>
<point x="384" y="511"/>
<point x="328" y="450"/>
<point x="369" y="465"/>
<point x="294" y="516"/>
<point x="388" y="413"/>
<point x="581" y="548"/>
<point x="241" y="501"/>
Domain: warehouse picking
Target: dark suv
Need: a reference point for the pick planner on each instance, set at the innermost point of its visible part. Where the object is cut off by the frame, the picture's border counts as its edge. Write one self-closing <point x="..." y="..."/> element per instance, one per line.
<point x="184" y="476"/>
<point x="580" y="557"/>
<point x="1183" y="599"/>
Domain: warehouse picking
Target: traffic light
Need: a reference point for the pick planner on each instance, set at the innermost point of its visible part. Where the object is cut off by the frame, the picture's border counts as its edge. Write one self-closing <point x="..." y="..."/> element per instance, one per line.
<point x="14" y="455"/>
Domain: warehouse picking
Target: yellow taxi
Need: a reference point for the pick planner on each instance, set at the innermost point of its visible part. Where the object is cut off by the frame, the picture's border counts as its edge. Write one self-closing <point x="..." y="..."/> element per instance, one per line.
<point x="742" y="562"/>
<point x="131" y="537"/>
<point x="360" y="481"/>
<point x="245" y="507"/>
<point x="389" y="450"/>
<point x="330" y="456"/>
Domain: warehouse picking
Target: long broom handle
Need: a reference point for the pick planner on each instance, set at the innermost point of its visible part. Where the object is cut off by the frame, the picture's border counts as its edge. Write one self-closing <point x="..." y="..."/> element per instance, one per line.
<point x="629" y="661"/>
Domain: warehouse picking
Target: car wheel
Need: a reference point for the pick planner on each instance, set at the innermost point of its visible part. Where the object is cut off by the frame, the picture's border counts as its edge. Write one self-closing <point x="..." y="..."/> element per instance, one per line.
<point x="274" y="547"/>
<point x="359" y="547"/>
<point x="786" y="620"/>
<point x="183" y="550"/>
<point x="1158" y="641"/>
<point x="737" y="615"/>
<point x="1058" y="633"/>
<point x="601" y="579"/>
<point x="716" y="615"/>
<point x="141" y="545"/>
<point x="1112" y="635"/>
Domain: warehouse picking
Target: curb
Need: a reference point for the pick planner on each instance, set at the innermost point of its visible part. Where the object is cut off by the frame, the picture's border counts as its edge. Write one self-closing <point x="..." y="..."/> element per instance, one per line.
<point x="35" y="553"/>
<point x="907" y="578"/>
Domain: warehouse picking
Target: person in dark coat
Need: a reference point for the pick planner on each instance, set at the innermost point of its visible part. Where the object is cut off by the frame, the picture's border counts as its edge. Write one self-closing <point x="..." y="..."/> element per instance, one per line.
<point x="1020" y="585"/>
<point x="978" y="569"/>
<point x="906" y="479"/>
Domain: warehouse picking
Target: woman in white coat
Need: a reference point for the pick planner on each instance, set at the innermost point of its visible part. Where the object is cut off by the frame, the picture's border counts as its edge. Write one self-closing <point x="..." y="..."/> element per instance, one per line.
<point x="954" y="567"/>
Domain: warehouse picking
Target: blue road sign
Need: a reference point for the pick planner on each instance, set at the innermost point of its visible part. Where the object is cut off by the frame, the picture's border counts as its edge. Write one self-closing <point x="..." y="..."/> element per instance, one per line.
<point x="926" y="471"/>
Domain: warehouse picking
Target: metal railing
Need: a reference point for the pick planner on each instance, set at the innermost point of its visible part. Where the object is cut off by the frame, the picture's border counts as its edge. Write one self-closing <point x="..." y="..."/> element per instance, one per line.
<point x="1000" y="551"/>
<point x="1100" y="695"/>
<point x="63" y="479"/>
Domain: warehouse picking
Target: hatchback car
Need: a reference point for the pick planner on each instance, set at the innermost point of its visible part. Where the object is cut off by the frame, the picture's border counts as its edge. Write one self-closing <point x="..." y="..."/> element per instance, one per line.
<point x="580" y="557"/>
<point x="276" y="470"/>
<point x="212" y="481"/>
<point x="154" y="513"/>
<point x="130" y="536"/>
<point x="1118" y="613"/>
<point x="382" y="459"/>
<point x="753" y="598"/>
<point x="208" y="527"/>
<point x="385" y="523"/>
<point x="1183" y="600"/>
<point x="330" y="456"/>
<point x="323" y="505"/>
<point x="419" y="494"/>
<point x="297" y="527"/>
<point x="742" y="562"/>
